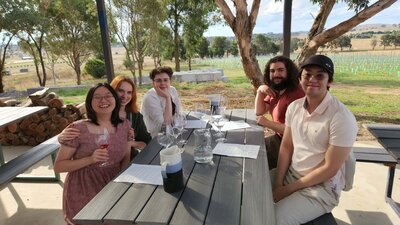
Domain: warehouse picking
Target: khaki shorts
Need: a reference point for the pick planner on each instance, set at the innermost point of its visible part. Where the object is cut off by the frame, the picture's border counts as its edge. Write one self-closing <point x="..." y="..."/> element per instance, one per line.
<point x="306" y="204"/>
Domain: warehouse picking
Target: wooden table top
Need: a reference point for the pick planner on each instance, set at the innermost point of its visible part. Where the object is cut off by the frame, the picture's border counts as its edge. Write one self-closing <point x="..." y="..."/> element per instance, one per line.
<point x="230" y="191"/>
<point x="10" y="115"/>
<point x="388" y="135"/>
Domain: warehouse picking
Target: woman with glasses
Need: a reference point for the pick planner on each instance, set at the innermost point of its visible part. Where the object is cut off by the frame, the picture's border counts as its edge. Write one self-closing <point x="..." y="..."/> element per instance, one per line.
<point x="126" y="91"/>
<point x="161" y="102"/>
<point x="90" y="164"/>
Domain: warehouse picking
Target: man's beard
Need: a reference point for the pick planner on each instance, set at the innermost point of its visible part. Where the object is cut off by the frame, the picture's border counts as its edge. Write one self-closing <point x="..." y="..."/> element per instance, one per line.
<point x="281" y="85"/>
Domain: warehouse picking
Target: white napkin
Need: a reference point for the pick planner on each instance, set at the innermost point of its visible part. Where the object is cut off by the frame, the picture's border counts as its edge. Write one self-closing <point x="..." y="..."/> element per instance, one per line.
<point x="233" y="125"/>
<point x="196" y="124"/>
<point x="237" y="150"/>
<point x="141" y="174"/>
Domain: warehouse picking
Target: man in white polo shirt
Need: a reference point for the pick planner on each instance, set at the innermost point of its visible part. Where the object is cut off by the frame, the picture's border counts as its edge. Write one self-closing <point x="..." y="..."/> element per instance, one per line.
<point x="318" y="137"/>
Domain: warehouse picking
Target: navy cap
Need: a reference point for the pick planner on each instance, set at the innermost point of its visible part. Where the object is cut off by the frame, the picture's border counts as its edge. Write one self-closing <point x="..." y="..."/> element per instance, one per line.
<point x="321" y="61"/>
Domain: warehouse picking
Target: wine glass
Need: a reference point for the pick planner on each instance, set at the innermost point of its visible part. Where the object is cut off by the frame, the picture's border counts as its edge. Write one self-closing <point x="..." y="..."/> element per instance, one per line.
<point x="166" y="137"/>
<point x="199" y="110"/>
<point x="102" y="142"/>
<point x="218" y="119"/>
<point x="179" y="125"/>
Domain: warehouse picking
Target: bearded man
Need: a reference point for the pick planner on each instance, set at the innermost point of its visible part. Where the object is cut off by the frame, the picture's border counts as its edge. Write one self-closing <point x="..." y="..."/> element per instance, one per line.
<point x="281" y="78"/>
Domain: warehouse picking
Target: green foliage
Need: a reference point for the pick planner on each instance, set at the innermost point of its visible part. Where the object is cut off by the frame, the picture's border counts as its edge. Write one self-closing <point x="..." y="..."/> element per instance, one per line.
<point x="219" y="45"/>
<point x="96" y="68"/>
<point x="233" y="48"/>
<point x="340" y="42"/>
<point x="203" y="47"/>
<point x="264" y="45"/>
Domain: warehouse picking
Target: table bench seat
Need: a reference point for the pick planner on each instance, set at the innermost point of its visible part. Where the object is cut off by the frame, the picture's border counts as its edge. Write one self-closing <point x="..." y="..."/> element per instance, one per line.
<point x="21" y="163"/>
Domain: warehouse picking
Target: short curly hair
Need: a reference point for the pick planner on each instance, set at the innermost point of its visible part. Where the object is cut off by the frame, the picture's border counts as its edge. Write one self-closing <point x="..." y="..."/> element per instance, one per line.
<point x="161" y="69"/>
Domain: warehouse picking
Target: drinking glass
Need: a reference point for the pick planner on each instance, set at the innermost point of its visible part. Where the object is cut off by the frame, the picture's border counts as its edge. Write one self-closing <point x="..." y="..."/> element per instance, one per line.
<point x="199" y="110"/>
<point x="102" y="142"/>
<point x="166" y="137"/>
<point x="180" y="124"/>
<point x="218" y="119"/>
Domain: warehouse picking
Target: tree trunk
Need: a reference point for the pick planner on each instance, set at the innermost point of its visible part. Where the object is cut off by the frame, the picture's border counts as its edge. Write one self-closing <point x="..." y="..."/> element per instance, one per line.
<point x="2" y="63"/>
<point x="249" y="61"/>
<point x="176" y="41"/>
<point x="77" y="69"/>
<point x="318" y="37"/>
<point x="190" y="63"/>
<point x="242" y="25"/>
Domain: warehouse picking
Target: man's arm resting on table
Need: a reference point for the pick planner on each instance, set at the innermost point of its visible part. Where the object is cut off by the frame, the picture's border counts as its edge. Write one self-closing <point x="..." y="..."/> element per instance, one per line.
<point x="275" y="126"/>
<point x="334" y="159"/>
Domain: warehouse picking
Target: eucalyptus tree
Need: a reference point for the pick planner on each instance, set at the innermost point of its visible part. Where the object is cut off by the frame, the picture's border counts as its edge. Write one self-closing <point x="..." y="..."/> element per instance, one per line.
<point x="192" y="33"/>
<point x="160" y="44"/>
<point x="203" y="47"/>
<point x="75" y="32"/>
<point x="7" y="33"/>
<point x="219" y="45"/>
<point x="133" y="21"/>
<point x="243" y="21"/>
<point x="178" y="11"/>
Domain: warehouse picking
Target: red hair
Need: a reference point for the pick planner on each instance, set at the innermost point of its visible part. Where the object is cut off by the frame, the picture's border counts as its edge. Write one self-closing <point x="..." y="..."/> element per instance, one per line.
<point x="116" y="83"/>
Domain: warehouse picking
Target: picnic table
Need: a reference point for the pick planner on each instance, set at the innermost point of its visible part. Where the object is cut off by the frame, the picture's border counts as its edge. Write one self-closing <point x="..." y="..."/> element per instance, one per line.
<point x="231" y="190"/>
<point x="389" y="137"/>
<point x="10" y="170"/>
<point x="9" y="115"/>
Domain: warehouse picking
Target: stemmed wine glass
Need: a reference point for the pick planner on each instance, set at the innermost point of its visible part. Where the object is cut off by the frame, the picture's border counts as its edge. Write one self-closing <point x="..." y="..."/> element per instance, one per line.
<point x="102" y="142"/>
<point x="218" y="118"/>
<point x="199" y="110"/>
<point x="179" y="125"/>
<point x="166" y="137"/>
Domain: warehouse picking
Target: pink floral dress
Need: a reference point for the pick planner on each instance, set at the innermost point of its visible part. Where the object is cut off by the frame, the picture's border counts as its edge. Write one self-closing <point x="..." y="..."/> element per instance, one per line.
<point x="82" y="185"/>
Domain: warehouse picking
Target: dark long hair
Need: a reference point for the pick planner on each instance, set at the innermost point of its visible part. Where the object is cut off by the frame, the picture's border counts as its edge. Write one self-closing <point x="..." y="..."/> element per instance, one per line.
<point x="291" y="69"/>
<point x="91" y="114"/>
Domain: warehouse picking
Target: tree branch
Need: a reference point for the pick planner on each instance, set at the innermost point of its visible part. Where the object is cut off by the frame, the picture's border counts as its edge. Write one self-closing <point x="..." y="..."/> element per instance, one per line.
<point x="227" y="13"/>
<point x="347" y="25"/>
<point x="254" y="13"/>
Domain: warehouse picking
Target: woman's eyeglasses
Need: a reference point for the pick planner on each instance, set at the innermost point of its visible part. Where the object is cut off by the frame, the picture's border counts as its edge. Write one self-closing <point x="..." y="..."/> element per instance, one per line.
<point x="100" y="97"/>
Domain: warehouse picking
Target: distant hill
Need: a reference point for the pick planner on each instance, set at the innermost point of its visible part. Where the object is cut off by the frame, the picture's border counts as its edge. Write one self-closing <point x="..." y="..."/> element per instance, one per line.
<point x="376" y="27"/>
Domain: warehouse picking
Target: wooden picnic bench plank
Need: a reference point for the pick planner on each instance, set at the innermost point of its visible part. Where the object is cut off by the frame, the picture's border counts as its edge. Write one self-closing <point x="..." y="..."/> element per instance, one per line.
<point x="161" y="205"/>
<point x="197" y="192"/>
<point x="386" y="133"/>
<point x="137" y="194"/>
<point x="9" y="115"/>
<point x="95" y="211"/>
<point x="225" y="205"/>
<point x="257" y="206"/>
<point x="18" y="165"/>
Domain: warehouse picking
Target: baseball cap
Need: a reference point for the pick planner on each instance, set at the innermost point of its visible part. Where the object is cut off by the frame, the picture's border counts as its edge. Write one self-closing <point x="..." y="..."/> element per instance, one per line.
<point x="321" y="61"/>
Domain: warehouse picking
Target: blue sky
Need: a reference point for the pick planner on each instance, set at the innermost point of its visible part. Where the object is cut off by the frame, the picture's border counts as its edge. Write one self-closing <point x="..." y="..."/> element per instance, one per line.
<point x="270" y="17"/>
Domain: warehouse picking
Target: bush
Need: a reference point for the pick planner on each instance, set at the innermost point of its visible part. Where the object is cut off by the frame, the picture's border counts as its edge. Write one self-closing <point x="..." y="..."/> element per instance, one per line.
<point x="96" y="68"/>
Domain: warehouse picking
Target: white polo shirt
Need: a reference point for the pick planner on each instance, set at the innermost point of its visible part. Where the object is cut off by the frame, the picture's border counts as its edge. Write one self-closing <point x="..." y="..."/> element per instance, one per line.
<point x="330" y="123"/>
